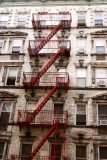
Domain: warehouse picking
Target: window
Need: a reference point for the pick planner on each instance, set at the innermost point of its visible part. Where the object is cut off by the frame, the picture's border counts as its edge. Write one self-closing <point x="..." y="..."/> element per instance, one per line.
<point x="1" y="45"/>
<point x="81" y="45"/>
<point x="34" y="73"/>
<point x="26" y="149"/>
<point x="3" y="20"/>
<point x="100" y="76"/>
<point x="16" y="47"/>
<point x="81" y="19"/>
<point x="102" y="112"/>
<point x="100" y="46"/>
<point x="80" y="152"/>
<point x="21" y="20"/>
<point x="58" y="113"/>
<point x="103" y="153"/>
<point x="2" y="145"/>
<point x="81" y="77"/>
<point x="57" y="149"/>
<point x="11" y="76"/>
<point x="98" y="19"/>
<point x="81" y="114"/>
<point x="5" y="111"/>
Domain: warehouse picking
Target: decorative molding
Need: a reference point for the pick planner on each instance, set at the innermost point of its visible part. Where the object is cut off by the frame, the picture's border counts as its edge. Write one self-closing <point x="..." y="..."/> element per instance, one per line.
<point x="6" y="10"/>
<point x="23" y="10"/>
<point x="5" y="94"/>
<point x="15" y="33"/>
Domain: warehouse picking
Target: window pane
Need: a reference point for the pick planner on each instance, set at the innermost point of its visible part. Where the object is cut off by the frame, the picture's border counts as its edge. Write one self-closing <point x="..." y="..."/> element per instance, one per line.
<point x="81" y="17"/>
<point x="98" y="16"/>
<point x="81" y="109"/>
<point x="58" y="151"/>
<point x="4" y="116"/>
<point x="100" y="73"/>
<point x="21" y="18"/>
<point x="26" y="149"/>
<point x="81" y="43"/>
<point x="81" y="115"/>
<point x="1" y="149"/>
<point x="6" y="107"/>
<point x="80" y="151"/>
<point x="4" y="18"/>
<point x="81" y="73"/>
<point x="103" y="153"/>
<point x="17" y="42"/>
<point x="99" y="42"/>
<point x="81" y="82"/>
<point x="12" y="72"/>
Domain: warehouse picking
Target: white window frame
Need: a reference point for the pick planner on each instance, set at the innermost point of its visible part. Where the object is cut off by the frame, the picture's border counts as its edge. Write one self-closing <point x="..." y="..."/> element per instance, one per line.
<point x="86" y="151"/>
<point x="8" y="73"/>
<point x="82" y="47"/>
<point x="17" y="46"/>
<point x="98" y="112"/>
<point x="104" y="45"/>
<point x="81" y="77"/>
<point x="4" y="21"/>
<point x="99" y="78"/>
<point x="76" y="113"/>
<point x="10" y="108"/>
<point x="4" y="151"/>
<point x="98" y="19"/>
<point x="21" y="21"/>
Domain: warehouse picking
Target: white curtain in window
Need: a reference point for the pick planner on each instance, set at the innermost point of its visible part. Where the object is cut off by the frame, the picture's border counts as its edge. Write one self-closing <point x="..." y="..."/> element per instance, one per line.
<point x="6" y="106"/>
<point x="4" y="18"/>
<point x="98" y="16"/>
<point x="81" y="43"/>
<point x="100" y="73"/>
<point x="17" y="43"/>
<point x="12" y="72"/>
<point x="99" y="42"/>
<point x="81" y="73"/>
<point x="1" y="43"/>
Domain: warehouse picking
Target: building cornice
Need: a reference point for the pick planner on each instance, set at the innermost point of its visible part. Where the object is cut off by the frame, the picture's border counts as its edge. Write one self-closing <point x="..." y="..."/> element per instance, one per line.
<point x="51" y="3"/>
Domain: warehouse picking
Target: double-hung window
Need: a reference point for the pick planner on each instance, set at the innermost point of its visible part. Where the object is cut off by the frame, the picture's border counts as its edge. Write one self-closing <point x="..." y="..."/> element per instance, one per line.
<point x="16" y="46"/>
<point x="100" y="46"/>
<point x="3" y="20"/>
<point x="98" y="19"/>
<point x="1" y="45"/>
<point x="81" y="19"/>
<point x="81" y="114"/>
<point x="26" y="150"/>
<point x="81" y="77"/>
<point x="102" y="112"/>
<point x="81" y="45"/>
<point x="5" y="111"/>
<point x="100" y="76"/>
<point x="21" y="20"/>
<point x="11" y="76"/>
<point x="81" y="153"/>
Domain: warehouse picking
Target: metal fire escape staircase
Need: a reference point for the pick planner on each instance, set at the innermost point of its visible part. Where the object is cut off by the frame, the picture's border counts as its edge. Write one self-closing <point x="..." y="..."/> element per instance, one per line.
<point x="36" y="79"/>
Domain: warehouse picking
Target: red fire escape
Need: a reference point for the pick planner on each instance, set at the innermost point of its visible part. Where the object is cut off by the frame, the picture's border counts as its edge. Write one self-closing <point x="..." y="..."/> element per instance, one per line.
<point x="56" y="121"/>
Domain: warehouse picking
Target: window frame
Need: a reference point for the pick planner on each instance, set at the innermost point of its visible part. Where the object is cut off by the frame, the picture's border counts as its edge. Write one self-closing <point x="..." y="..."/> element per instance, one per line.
<point x="16" y="46"/>
<point x="99" y="151"/>
<point x="82" y="47"/>
<point x="19" y="25"/>
<point x="4" y="14"/>
<point x="86" y="151"/>
<point x="98" y="19"/>
<point x="97" y="79"/>
<point x="11" y="107"/>
<point x="76" y="113"/>
<point x="81" y="77"/>
<point x="98" y="121"/>
<point x="25" y="142"/>
<point x="95" y="46"/>
<point x="7" y="76"/>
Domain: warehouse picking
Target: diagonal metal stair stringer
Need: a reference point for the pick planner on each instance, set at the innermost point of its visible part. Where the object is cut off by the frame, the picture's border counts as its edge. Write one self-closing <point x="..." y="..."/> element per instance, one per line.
<point x="42" y="142"/>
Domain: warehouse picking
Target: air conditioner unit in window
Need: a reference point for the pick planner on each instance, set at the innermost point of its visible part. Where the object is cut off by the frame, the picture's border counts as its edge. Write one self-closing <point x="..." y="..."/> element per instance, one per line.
<point x="101" y="82"/>
<point x="81" y="50"/>
<point x="103" y="122"/>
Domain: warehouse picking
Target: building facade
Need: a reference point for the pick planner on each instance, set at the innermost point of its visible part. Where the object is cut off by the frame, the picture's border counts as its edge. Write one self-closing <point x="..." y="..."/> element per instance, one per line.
<point x="53" y="82"/>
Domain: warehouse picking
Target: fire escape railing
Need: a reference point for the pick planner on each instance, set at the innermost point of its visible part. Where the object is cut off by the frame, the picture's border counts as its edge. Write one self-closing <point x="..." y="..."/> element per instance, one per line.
<point x="50" y="48"/>
<point x="49" y="79"/>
